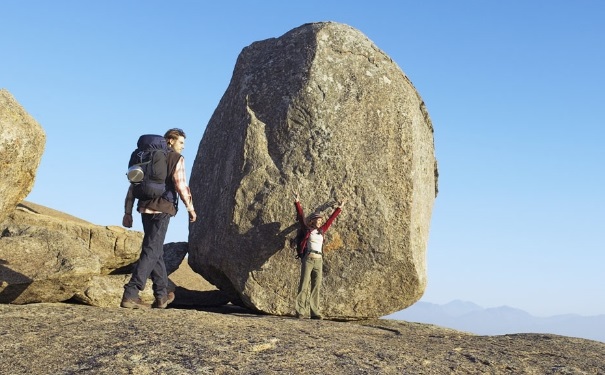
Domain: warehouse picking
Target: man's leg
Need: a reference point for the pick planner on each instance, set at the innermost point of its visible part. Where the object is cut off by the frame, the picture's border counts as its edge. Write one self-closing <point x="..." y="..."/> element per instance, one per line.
<point x="159" y="277"/>
<point x="316" y="278"/>
<point x="155" y="227"/>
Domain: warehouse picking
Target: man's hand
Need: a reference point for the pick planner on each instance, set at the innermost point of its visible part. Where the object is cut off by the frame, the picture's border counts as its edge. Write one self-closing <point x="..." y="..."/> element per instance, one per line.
<point x="342" y="202"/>
<point x="295" y="193"/>
<point x="127" y="220"/>
<point x="192" y="216"/>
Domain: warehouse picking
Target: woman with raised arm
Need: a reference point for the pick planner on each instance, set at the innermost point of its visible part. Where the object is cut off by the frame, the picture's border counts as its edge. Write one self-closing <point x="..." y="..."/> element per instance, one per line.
<point x="307" y="299"/>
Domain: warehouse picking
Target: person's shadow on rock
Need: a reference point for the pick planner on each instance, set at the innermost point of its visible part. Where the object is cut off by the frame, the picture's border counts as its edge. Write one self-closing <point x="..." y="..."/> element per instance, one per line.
<point x="274" y="239"/>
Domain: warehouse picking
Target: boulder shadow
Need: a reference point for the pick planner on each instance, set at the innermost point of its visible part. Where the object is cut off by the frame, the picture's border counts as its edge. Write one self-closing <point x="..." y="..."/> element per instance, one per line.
<point x="213" y="301"/>
<point x="12" y="283"/>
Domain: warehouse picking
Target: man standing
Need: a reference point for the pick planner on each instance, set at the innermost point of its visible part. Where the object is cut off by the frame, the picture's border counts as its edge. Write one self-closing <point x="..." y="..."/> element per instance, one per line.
<point x="155" y="214"/>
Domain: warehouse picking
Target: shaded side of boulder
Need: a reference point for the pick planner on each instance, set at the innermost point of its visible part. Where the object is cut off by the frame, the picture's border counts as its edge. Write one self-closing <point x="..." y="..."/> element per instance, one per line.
<point x="22" y="142"/>
<point x="174" y="254"/>
<point x="323" y="111"/>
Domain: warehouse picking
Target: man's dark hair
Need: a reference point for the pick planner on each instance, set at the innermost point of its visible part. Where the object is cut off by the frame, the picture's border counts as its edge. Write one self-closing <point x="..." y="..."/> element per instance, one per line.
<point x="174" y="133"/>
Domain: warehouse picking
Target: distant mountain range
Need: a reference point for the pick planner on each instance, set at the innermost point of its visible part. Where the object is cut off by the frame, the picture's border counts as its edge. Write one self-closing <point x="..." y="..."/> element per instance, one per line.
<point x="469" y="317"/>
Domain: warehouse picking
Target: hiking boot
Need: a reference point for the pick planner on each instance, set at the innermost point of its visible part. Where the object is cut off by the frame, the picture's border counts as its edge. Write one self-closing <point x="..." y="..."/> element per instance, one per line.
<point x="134" y="303"/>
<point x="162" y="303"/>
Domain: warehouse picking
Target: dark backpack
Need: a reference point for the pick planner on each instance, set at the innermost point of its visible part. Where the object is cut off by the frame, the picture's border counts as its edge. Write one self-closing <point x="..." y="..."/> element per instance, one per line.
<point x="296" y="242"/>
<point x="148" y="167"/>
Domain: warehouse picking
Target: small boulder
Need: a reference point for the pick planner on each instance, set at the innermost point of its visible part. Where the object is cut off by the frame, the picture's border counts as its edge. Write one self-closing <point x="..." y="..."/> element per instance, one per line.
<point x="48" y="256"/>
<point x="107" y="290"/>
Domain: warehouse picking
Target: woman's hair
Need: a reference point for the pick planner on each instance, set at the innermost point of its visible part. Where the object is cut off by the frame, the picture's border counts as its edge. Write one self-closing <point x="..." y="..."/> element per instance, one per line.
<point x="174" y="133"/>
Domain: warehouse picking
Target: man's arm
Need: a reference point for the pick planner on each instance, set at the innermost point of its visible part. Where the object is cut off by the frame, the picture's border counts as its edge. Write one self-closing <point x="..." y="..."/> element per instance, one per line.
<point x="180" y="183"/>
<point x="128" y="205"/>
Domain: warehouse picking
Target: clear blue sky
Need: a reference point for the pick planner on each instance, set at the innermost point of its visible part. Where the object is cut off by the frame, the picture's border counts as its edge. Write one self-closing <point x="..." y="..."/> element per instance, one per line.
<point x="515" y="89"/>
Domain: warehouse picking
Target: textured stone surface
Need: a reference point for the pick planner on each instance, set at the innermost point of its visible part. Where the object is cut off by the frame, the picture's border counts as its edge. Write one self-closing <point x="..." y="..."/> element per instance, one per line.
<point x="174" y="253"/>
<point x="324" y="111"/>
<point x="70" y="339"/>
<point x="21" y="146"/>
<point x="47" y="256"/>
<point x="107" y="291"/>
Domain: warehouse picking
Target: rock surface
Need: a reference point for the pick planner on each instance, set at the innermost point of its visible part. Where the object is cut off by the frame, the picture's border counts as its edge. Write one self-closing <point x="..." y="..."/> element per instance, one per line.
<point x="21" y="146"/>
<point x="106" y="290"/>
<point x="73" y="339"/>
<point x="48" y="256"/>
<point x="323" y="111"/>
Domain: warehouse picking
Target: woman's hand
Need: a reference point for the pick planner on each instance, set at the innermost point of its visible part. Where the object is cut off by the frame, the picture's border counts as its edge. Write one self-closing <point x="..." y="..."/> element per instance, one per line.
<point x="295" y="193"/>
<point x="342" y="202"/>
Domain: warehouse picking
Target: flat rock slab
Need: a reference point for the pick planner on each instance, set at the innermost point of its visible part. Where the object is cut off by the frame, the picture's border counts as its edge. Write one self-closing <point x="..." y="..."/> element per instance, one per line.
<point x="68" y="339"/>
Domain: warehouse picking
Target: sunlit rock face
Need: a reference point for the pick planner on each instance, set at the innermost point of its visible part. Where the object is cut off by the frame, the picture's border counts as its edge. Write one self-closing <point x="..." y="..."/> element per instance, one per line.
<point x="22" y="142"/>
<point x="323" y="111"/>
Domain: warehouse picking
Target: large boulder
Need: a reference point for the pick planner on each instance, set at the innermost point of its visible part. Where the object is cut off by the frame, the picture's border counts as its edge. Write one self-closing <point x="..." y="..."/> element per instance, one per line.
<point x="49" y="256"/>
<point x="22" y="142"/>
<point x="321" y="110"/>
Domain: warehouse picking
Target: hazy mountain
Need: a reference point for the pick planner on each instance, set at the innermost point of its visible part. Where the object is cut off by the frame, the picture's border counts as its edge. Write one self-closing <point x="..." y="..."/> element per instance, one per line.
<point x="469" y="317"/>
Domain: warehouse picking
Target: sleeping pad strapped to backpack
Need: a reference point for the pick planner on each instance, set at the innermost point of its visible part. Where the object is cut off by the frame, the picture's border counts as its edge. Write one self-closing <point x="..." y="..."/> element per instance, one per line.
<point x="148" y="167"/>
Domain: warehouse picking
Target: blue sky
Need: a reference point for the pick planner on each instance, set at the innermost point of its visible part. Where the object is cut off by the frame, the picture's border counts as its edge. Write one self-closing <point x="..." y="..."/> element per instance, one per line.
<point x="515" y="90"/>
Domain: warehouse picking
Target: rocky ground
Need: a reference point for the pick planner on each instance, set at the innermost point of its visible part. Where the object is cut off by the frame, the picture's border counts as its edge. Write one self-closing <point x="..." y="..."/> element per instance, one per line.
<point x="199" y="334"/>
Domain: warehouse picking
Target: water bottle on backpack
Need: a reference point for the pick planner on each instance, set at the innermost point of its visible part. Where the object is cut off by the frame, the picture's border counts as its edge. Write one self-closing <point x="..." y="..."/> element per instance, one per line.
<point x="148" y="168"/>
